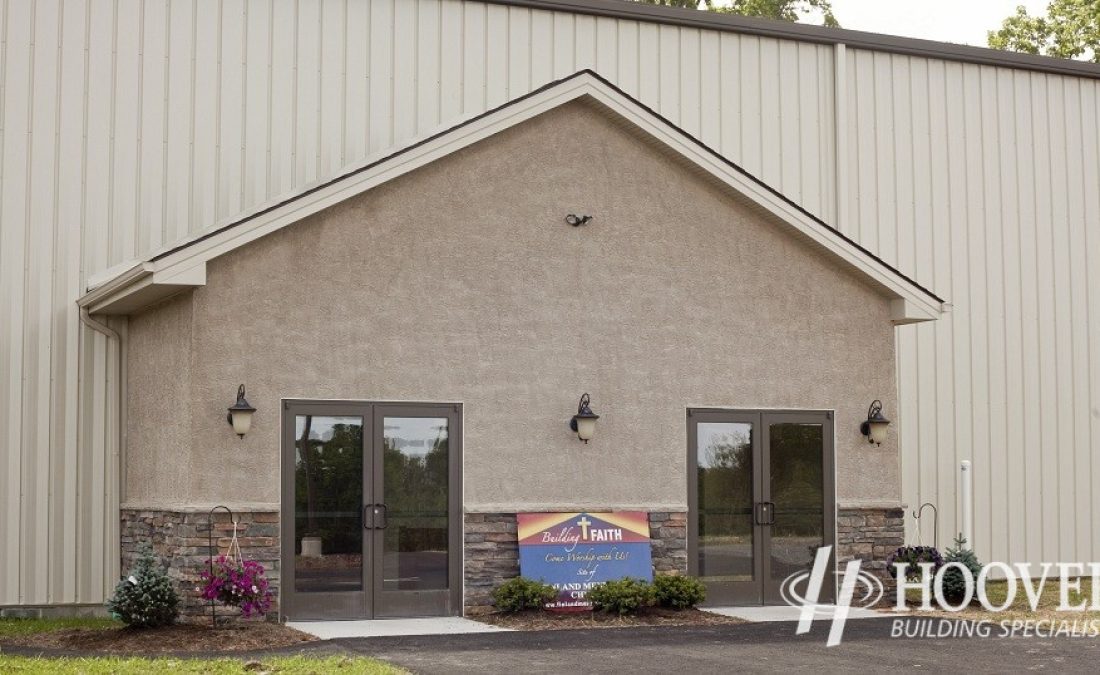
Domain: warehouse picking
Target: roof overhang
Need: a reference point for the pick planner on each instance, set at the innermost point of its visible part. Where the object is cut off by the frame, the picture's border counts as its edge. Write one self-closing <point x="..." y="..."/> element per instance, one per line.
<point x="184" y="265"/>
<point x="140" y="285"/>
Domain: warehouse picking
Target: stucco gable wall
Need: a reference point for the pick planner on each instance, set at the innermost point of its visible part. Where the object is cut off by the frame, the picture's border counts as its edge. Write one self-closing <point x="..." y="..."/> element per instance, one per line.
<point x="158" y="400"/>
<point x="461" y="282"/>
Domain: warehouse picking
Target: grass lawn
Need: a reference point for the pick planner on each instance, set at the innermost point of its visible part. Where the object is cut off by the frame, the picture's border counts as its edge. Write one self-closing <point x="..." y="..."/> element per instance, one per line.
<point x="126" y="666"/>
<point x="12" y="627"/>
<point x="1020" y="609"/>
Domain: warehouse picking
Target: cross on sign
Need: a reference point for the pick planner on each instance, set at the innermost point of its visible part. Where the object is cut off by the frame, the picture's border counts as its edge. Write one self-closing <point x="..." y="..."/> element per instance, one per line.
<point x="584" y="522"/>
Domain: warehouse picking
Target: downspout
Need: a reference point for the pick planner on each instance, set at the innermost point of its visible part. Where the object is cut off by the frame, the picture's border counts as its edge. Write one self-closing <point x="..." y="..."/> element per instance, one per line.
<point x="112" y="564"/>
<point x="88" y="321"/>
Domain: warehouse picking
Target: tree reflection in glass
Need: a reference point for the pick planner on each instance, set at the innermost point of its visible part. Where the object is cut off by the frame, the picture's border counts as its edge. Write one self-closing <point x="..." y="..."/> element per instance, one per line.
<point x="725" y="501"/>
<point x="797" y="488"/>
<point x="328" y="495"/>
<point x="415" y="461"/>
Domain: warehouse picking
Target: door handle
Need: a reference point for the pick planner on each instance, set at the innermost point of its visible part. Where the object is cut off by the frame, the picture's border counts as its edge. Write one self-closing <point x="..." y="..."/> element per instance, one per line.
<point x="380" y="511"/>
<point x="366" y="516"/>
<point x="764" y="513"/>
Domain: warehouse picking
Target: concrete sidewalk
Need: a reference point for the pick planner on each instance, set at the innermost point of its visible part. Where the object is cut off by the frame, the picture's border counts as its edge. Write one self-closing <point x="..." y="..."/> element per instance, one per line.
<point x="768" y="613"/>
<point x="442" y="625"/>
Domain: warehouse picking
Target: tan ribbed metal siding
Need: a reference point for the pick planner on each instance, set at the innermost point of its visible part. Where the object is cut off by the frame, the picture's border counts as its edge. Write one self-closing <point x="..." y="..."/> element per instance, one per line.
<point x="126" y="125"/>
<point x="982" y="183"/>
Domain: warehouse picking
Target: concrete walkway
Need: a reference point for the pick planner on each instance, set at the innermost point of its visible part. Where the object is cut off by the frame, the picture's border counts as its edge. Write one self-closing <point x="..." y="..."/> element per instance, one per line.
<point x="759" y="614"/>
<point x="443" y="625"/>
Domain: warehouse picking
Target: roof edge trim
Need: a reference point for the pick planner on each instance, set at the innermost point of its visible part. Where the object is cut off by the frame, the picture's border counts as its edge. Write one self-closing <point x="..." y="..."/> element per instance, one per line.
<point x="895" y="44"/>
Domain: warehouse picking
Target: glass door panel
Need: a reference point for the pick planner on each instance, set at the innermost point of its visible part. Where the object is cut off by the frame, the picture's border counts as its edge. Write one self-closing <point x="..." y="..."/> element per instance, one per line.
<point x="797" y="490"/>
<point x="796" y="493"/>
<point x="328" y="500"/>
<point x="414" y="549"/>
<point x="725" y="502"/>
<point x="326" y="548"/>
<point x="726" y="554"/>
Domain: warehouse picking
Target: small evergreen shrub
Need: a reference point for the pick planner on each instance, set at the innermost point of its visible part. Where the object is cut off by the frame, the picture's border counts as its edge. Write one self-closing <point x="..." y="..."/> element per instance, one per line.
<point x="522" y="593"/>
<point x="622" y="596"/>
<point x="146" y="598"/>
<point x="954" y="579"/>
<point x="679" y="592"/>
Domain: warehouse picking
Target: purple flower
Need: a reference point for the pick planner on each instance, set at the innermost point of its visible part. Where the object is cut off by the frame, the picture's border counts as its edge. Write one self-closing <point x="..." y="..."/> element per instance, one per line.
<point x="913" y="556"/>
<point x="238" y="584"/>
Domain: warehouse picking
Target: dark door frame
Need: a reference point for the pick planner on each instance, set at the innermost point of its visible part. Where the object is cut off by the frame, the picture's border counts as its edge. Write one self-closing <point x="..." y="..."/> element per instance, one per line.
<point x="367" y="605"/>
<point x="761" y="590"/>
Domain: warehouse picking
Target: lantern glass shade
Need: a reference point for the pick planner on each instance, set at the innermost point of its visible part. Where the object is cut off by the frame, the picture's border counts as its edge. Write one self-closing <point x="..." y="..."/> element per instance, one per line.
<point x="242" y="421"/>
<point x="877" y="431"/>
<point x="586" y="428"/>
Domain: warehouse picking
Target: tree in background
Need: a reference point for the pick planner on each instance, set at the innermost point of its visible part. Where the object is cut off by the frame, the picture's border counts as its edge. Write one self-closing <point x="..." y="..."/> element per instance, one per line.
<point x="784" y="10"/>
<point x="1070" y="30"/>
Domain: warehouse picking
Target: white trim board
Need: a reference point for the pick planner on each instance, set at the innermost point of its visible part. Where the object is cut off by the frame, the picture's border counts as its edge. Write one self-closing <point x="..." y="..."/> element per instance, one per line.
<point x="184" y="266"/>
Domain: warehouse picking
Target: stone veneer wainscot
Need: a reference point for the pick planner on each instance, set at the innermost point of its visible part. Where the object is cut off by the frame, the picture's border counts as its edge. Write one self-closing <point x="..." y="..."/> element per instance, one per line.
<point x="870" y="534"/>
<point x="180" y="543"/>
<point x="491" y="553"/>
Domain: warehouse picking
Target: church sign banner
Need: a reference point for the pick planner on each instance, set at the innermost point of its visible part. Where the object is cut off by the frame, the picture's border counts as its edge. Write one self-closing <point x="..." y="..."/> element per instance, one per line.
<point x="574" y="551"/>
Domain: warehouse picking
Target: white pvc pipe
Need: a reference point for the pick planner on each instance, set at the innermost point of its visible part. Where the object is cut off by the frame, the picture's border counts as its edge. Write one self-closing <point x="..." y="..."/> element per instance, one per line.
<point x="966" y="493"/>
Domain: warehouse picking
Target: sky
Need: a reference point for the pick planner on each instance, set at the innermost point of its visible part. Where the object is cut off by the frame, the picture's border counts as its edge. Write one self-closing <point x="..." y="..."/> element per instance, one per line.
<point x="959" y="21"/>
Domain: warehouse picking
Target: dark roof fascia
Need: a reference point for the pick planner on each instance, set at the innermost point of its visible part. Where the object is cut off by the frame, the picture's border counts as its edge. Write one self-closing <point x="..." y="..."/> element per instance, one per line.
<point x="626" y="9"/>
<point x="550" y="85"/>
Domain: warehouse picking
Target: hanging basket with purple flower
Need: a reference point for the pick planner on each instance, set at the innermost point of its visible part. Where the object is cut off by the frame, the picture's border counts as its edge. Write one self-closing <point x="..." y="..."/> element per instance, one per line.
<point x="914" y="556"/>
<point x="238" y="583"/>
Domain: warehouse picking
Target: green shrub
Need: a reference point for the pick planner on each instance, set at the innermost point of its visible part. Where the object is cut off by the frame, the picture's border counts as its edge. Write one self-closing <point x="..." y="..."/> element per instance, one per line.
<point x="146" y="598"/>
<point x="679" y="592"/>
<point x="523" y="593"/>
<point x="954" y="580"/>
<point x="622" y="596"/>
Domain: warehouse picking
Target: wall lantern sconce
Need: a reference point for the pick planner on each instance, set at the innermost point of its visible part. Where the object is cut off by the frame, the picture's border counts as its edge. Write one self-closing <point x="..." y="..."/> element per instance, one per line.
<point x="874" y="428"/>
<point x="584" y="422"/>
<point x="240" y="414"/>
<point x="576" y="221"/>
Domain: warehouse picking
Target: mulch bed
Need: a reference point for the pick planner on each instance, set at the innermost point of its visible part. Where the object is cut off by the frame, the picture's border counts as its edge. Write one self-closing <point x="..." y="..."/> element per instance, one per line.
<point x="182" y="637"/>
<point x="655" y="616"/>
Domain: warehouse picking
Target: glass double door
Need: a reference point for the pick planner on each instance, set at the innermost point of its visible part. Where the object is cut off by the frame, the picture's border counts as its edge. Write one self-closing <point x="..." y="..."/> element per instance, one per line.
<point x="761" y="500"/>
<point x="370" y="502"/>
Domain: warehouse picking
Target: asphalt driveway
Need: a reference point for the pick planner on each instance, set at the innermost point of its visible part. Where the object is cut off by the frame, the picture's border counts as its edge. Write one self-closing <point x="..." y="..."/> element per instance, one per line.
<point x="762" y="648"/>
